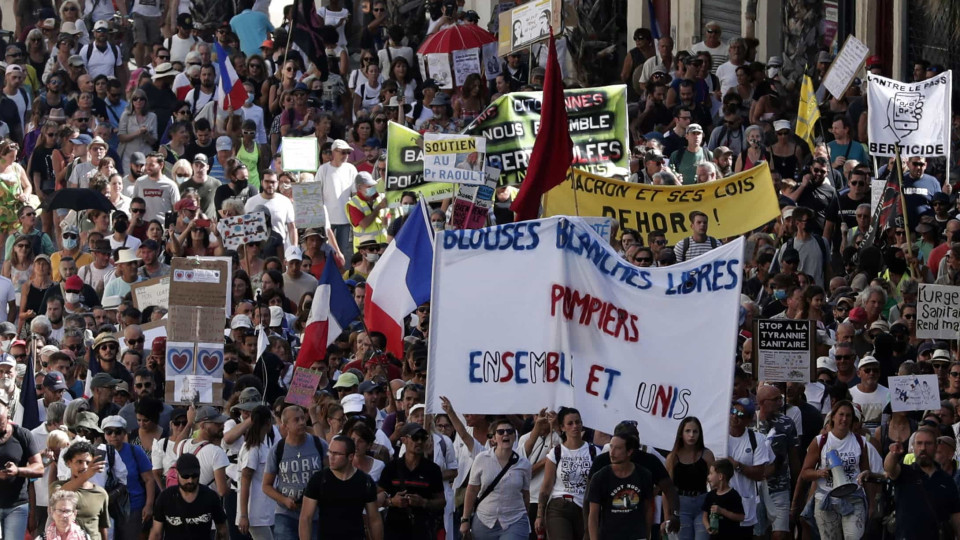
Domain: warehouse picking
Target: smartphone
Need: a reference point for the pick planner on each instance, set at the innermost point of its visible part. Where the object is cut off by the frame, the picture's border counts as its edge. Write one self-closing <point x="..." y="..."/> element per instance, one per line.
<point x="203" y="223"/>
<point x="402" y="416"/>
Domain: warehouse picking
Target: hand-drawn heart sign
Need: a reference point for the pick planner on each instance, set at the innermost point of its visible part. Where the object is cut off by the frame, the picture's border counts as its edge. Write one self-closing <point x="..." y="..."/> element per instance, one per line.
<point x="210" y="360"/>
<point x="179" y="360"/>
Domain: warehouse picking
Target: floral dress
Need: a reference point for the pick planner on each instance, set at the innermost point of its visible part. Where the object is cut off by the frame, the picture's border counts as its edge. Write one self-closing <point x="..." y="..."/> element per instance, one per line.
<point x="9" y="205"/>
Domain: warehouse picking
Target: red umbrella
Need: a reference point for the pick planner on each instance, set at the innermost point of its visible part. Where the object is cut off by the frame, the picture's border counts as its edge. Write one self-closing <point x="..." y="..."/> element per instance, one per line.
<point x="456" y="38"/>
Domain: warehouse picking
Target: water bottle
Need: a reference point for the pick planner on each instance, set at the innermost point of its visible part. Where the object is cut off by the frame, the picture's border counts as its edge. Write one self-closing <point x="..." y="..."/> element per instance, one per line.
<point x="714" y="521"/>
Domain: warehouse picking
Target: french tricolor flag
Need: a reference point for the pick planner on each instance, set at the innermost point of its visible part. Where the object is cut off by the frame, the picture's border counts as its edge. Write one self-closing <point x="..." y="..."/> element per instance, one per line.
<point x="401" y="279"/>
<point x="230" y="92"/>
<point x="333" y="309"/>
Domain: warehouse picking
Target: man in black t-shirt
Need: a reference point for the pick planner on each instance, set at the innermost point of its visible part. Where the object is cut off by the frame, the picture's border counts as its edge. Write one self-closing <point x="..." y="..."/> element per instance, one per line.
<point x="658" y="474"/>
<point x="340" y="492"/>
<point x="414" y="488"/>
<point x="187" y="510"/>
<point x="620" y="494"/>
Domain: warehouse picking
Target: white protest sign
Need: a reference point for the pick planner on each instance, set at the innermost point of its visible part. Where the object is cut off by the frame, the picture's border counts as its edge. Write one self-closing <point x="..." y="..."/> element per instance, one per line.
<point x="152" y="292"/>
<point x="491" y="62"/>
<point x="784" y="348"/>
<point x="530" y="22"/>
<point x="938" y="312"/>
<point x="453" y="158"/>
<point x="308" y="205"/>
<point x="845" y="67"/>
<point x="300" y="154"/>
<point x="584" y="328"/>
<point x="914" y="393"/>
<point x="876" y="193"/>
<point x="465" y="62"/>
<point x="239" y="230"/>
<point x="912" y="119"/>
<point x="439" y="66"/>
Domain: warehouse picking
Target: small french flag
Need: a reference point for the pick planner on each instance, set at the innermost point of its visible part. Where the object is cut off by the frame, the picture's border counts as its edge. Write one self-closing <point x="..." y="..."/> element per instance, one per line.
<point x="333" y="309"/>
<point x="230" y="92"/>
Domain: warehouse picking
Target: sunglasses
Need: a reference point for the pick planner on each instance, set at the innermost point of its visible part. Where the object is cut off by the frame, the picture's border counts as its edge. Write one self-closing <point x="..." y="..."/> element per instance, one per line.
<point x="910" y="316"/>
<point x="643" y="259"/>
<point x="955" y="373"/>
<point x="824" y="381"/>
<point x="845" y="357"/>
<point x="870" y="370"/>
<point x="75" y="347"/>
<point x="137" y="210"/>
<point x="135" y="341"/>
<point x="918" y="164"/>
<point x="85" y="119"/>
<point x="738" y="413"/>
<point x="138" y="99"/>
<point x="508" y="431"/>
<point x="179" y="423"/>
<point x="20" y="356"/>
<point x="109" y="346"/>
<point x="189" y="476"/>
<point x="113" y="431"/>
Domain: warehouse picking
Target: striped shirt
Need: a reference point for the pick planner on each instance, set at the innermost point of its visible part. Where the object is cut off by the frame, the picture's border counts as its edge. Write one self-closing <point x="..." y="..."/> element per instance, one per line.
<point x="694" y="248"/>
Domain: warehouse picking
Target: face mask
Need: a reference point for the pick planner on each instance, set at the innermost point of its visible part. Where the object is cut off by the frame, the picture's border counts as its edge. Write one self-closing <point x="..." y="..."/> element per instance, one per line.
<point x="121" y="226"/>
<point x="5" y="345"/>
<point x="370" y="191"/>
<point x="773" y="72"/>
<point x="70" y="243"/>
<point x="241" y="184"/>
<point x="72" y="298"/>
<point x="230" y="367"/>
<point x="414" y="320"/>
<point x="249" y="98"/>
<point x="373" y="257"/>
<point x="407" y="208"/>
<point x="182" y="179"/>
<point x="780" y="294"/>
<point x="186" y="221"/>
<point x="437" y="225"/>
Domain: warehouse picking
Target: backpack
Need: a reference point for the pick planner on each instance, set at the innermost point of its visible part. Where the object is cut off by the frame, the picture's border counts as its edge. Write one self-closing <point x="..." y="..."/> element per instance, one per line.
<point x="590" y="447"/>
<point x="279" y="450"/>
<point x="172" y="479"/>
<point x="119" y="496"/>
<point x="110" y="47"/>
<point x="686" y="246"/>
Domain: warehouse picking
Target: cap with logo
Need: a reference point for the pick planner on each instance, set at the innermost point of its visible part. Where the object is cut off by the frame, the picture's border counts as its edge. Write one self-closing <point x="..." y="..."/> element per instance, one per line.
<point x="54" y="381"/>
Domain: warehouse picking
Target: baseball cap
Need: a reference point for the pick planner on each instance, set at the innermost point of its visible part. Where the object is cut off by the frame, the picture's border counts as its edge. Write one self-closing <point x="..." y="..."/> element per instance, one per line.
<point x="73" y="283"/>
<point x="75" y="60"/>
<point x="352" y="403"/>
<point x="209" y="414"/>
<point x="113" y="421"/>
<point x="721" y="151"/>
<point x="54" y="381"/>
<point x="224" y="143"/>
<point x="781" y="125"/>
<point x="200" y="158"/>
<point x="858" y="315"/>
<point x="159" y="346"/>
<point x="185" y="20"/>
<point x="103" y="380"/>
<point x="82" y="138"/>
<point x="188" y="465"/>
<point x="867" y="361"/>
<point x="874" y="61"/>
<point x="7" y="328"/>
<point x="101" y="25"/>
<point x="372" y="142"/>
<point x="293" y="253"/>
<point x="748" y="405"/>
<point x="276" y="315"/>
<point x="881" y="325"/>
<point x="410" y="429"/>
<point x="341" y="144"/>
<point x="347" y="380"/>
<point x="267" y="43"/>
<point x="138" y="158"/>
<point x="185" y="204"/>
<point x="250" y="399"/>
<point x="827" y="363"/>
<point x="240" y="321"/>
<point x="694" y="128"/>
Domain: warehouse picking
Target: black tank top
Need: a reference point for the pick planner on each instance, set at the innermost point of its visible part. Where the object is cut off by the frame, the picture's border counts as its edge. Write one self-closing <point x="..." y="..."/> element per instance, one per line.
<point x="691" y="479"/>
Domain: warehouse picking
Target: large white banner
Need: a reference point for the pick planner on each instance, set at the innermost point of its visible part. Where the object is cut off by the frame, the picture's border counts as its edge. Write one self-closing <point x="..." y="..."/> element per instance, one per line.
<point x="545" y="313"/>
<point x="912" y="119"/>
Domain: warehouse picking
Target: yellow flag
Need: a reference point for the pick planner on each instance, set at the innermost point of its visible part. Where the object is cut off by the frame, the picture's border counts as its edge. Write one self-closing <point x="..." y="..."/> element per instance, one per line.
<point x="808" y="113"/>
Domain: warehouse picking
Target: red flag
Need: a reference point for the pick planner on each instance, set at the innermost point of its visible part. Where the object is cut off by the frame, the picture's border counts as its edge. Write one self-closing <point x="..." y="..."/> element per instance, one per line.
<point x="553" y="149"/>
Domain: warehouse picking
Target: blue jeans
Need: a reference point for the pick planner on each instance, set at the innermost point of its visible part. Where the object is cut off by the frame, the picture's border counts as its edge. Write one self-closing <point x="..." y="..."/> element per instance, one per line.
<point x="691" y="518"/>
<point x="14" y="521"/>
<point x="285" y="526"/>
<point x="518" y="531"/>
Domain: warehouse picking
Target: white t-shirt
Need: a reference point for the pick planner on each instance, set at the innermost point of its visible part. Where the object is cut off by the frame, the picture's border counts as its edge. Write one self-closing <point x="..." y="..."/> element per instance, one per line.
<point x="727" y="73"/>
<point x="281" y="212"/>
<point x="147" y="8"/>
<point x="7" y="295"/>
<point x="130" y="242"/>
<point x="100" y="479"/>
<point x="541" y="447"/>
<point x="871" y="404"/>
<point x="101" y="63"/>
<point x="42" y="488"/>
<point x="332" y="18"/>
<point x="163" y="458"/>
<point x="211" y="457"/>
<point x="180" y="47"/>
<point x="387" y="59"/>
<point x="255" y="113"/>
<point x="572" y="472"/>
<point x="337" y="190"/>
<point x="201" y="97"/>
<point x="850" y="453"/>
<point x="739" y="448"/>
<point x="261" y="510"/>
<point x="94" y="277"/>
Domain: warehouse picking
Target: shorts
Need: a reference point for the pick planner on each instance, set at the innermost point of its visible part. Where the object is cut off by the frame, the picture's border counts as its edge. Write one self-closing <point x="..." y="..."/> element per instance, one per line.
<point x="773" y="510"/>
<point x="147" y="29"/>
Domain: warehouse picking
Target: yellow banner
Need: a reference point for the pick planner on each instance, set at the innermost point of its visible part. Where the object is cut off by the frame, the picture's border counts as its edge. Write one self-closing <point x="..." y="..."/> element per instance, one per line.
<point x="734" y="205"/>
<point x="807" y="113"/>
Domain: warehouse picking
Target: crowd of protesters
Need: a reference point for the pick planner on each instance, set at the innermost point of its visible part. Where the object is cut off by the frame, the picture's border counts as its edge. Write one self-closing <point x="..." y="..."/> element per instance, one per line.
<point x="128" y="104"/>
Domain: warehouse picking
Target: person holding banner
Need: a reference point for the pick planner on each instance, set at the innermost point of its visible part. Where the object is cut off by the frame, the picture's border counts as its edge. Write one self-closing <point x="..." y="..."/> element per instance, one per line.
<point x="366" y="214"/>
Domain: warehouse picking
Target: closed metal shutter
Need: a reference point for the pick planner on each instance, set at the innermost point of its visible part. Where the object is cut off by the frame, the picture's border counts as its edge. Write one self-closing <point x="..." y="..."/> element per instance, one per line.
<point x="726" y="12"/>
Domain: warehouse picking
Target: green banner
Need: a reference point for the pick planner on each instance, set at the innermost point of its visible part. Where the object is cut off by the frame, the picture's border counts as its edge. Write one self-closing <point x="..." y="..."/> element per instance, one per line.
<point x="405" y="168"/>
<point x="598" y="129"/>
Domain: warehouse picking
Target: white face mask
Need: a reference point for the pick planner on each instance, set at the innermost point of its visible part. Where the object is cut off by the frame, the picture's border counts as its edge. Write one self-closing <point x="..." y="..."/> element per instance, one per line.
<point x="182" y="179"/>
<point x="407" y="208"/>
<point x="72" y="298"/>
<point x="437" y="225"/>
<point x="373" y="257"/>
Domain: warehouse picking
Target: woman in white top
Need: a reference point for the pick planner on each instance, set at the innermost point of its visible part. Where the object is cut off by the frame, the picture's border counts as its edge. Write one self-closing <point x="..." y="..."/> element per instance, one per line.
<point x="837" y="517"/>
<point x="367" y="96"/>
<point x="255" y="513"/>
<point x="70" y="12"/>
<point x="363" y="439"/>
<point x="560" y="507"/>
<point x="501" y="508"/>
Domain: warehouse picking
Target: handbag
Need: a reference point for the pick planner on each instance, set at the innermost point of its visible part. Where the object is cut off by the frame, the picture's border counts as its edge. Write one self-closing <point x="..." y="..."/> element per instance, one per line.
<point x="119" y="505"/>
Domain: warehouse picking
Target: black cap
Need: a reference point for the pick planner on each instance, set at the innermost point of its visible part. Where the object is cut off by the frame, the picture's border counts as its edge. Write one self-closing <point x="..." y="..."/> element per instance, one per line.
<point x="790" y="255"/>
<point x="188" y="465"/>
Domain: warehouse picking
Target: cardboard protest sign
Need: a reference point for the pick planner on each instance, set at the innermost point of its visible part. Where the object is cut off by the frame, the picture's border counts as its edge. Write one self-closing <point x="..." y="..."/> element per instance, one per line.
<point x="308" y="205"/>
<point x="604" y="328"/>
<point x="303" y="386"/>
<point x="463" y="205"/>
<point x="734" y="205"/>
<point x="938" y="312"/>
<point x="845" y="66"/>
<point x="491" y="62"/>
<point x="152" y="292"/>
<point x="597" y="118"/>
<point x="239" y="230"/>
<point x="439" y="66"/>
<point x="202" y="281"/>
<point x="300" y="154"/>
<point x="910" y="119"/>
<point x="528" y="23"/>
<point x="783" y="351"/>
<point x="914" y="393"/>
<point x="405" y="168"/>
<point x="453" y="158"/>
